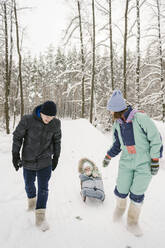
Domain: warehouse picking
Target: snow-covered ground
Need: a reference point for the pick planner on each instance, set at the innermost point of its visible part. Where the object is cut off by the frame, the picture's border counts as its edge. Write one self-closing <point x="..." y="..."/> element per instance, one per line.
<point x="73" y="223"/>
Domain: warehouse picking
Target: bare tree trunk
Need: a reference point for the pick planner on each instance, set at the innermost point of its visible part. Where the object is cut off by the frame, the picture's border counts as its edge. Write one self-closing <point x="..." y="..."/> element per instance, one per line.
<point x="20" y="59"/>
<point x="82" y="63"/>
<point x="125" y="51"/>
<point x="137" y="95"/>
<point x="11" y="45"/>
<point x="6" y="105"/>
<point x="111" y="44"/>
<point x="15" y="102"/>
<point x="161" y="63"/>
<point x="93" y="63"/>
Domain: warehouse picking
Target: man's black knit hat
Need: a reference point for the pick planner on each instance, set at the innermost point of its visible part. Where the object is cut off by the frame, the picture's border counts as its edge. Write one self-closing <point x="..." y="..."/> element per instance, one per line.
<point x="49" y="108"/>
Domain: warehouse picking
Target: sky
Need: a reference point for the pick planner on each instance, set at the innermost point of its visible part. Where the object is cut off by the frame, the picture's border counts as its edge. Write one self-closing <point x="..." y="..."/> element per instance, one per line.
<point x="43" y="24"/>
<point x="73" y="223"/>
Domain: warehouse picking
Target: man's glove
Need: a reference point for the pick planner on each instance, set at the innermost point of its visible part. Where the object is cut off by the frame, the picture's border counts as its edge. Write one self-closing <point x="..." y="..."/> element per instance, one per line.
<point x="54" y="163"/>
<point x="106" y="161"/>
<point x="154" y="166"/>
<point x="16" y="161"/>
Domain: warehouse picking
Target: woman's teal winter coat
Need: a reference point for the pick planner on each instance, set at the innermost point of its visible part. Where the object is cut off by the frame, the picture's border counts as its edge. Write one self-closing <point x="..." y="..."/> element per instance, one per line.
<point x="139" y="140"/>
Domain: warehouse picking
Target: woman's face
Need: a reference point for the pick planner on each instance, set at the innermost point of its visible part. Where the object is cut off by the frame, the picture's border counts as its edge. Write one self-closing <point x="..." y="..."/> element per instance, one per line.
<point x="46" y="118"/>
<point x="112" y="115"/>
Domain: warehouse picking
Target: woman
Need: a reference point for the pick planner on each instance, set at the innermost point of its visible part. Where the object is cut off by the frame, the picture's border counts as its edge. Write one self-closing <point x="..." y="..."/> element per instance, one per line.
<point x="136" y="135"/>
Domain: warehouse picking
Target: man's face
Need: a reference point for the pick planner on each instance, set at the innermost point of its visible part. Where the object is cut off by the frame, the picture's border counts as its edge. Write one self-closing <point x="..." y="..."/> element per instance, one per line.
<point x="46" y="119"/>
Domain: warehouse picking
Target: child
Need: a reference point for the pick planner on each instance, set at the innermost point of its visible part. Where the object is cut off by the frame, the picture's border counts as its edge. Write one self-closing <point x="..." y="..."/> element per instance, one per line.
<point x="91" y="182"/>
<point x="136" y="135"/>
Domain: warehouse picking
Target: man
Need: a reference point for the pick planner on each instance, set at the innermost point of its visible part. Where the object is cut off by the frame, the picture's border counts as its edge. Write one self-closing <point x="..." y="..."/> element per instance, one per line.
<point x="39" y="136"/>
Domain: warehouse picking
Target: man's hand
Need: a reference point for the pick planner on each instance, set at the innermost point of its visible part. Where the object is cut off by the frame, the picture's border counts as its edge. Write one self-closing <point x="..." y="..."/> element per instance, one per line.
<point x="54" y="163"/>
<point x="16" y="161"/>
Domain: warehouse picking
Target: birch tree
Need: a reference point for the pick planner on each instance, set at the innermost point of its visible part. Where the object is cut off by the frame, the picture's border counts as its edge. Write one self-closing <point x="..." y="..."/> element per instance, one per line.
<point x="19" y="58"/>
<point x="107" y="11"/>
<point x="7" y="83"/>
<point x="161" y="60"/>
<point x="154" y="78"/>
<point x="125" y="50"/>
<point x="11" y="44"/>
<point x="137" y="93"/>
<point x="93" y="62"/>
<point x="111" y="44"/>
<point x="82" y="62"/>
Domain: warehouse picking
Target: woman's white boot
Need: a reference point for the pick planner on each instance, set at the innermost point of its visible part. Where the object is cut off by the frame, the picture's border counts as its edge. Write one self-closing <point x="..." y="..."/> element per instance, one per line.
<point x="121" y="204"/>
<point x="133" y="219"/>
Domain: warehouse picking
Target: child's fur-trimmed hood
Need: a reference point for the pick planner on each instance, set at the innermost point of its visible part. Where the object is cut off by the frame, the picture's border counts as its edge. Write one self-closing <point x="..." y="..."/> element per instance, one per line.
<point x="81" y="163"/>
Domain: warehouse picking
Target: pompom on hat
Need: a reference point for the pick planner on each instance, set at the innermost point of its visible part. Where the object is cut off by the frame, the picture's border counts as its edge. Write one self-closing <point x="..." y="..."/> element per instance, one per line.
<point x="116" y="102"/>
<point x="48" y="108"/>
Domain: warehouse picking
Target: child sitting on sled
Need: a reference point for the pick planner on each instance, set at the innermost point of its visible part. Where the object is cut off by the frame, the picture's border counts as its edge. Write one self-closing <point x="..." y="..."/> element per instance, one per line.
<point x="91" y="181"/>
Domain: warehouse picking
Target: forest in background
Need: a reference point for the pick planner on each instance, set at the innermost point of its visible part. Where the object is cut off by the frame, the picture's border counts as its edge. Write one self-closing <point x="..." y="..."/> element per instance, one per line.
<point x="81" y="74"/>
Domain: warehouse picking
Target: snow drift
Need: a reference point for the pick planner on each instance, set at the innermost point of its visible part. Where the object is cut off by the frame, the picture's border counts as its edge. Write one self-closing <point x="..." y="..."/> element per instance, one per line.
<point x="74" y="223"/>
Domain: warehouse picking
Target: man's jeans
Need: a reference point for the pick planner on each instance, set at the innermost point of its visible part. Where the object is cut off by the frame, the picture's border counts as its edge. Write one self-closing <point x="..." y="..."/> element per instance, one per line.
<point x="43" y="177"/>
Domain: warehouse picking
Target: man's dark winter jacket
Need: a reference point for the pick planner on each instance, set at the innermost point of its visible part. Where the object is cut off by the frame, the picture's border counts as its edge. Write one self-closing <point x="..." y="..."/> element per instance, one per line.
<point x="40" y="141"/>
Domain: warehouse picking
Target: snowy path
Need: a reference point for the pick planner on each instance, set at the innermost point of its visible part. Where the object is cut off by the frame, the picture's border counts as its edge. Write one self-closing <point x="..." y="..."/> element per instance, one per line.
<point x="73" y="223"/>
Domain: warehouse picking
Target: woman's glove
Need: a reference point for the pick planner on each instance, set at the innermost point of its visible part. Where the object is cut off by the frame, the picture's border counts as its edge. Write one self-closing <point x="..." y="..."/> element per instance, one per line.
<point x="106" y="160"/>
<point x="154" y="166"/>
